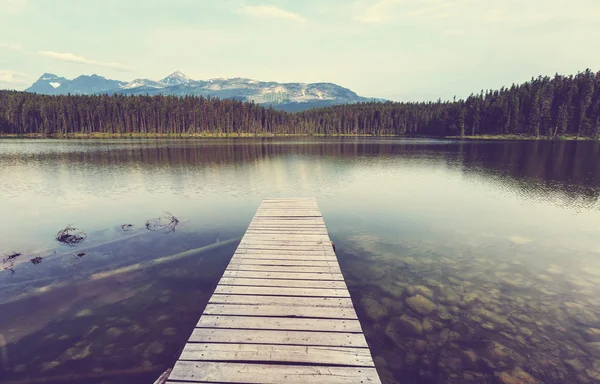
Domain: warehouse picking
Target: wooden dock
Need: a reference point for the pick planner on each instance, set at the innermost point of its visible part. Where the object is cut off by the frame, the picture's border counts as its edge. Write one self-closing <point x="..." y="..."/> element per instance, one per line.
<point x="281" y="312"/>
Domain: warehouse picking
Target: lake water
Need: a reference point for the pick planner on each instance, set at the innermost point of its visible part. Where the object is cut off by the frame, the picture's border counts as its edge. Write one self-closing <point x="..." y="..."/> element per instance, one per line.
<point x="503" y="238"/>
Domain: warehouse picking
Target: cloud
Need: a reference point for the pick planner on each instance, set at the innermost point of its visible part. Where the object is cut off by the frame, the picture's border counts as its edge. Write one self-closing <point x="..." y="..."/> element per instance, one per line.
<point x="271" y="12"/>
<point x="12" y="47"/>
<point x="453" y="32"/>
<point x="69" y="57"/>
<point x="10" y="78"/>
<point x="383" y="11"/>
<point x="12" y="6"/>
<point x="379" y="12"/>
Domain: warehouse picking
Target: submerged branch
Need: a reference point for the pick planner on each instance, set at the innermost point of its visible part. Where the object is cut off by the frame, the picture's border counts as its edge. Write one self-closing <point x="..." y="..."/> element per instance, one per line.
<point x="70" y="236"/>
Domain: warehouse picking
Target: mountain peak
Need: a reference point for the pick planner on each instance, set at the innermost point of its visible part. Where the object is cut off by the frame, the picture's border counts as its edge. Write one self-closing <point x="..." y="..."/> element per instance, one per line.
<point x="176" y="77"/>
<point x="48" y="76"/>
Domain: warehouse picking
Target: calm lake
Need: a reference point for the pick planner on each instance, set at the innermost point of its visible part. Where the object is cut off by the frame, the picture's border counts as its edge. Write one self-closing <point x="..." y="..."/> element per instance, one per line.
<point x="504" y="238"/>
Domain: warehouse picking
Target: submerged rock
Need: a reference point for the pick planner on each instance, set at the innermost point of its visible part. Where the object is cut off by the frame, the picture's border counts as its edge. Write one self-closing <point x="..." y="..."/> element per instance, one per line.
<point x="420" y="290"/>
<point x="582" y="314"/>
<point x="410" y="324"/>
<point x="84" y="313"/>
<point x="399" y="328"/>
<point x="575" y="365"/>
<point x="427" y="325"/>
<point x="421" y="304"/>
<point x="591" y="334"/>
<point x="593" y="348"/>
<point x="393" y="290"/>
<point x="49" y="365"/>
<point x="155" y="348"/>
<point x="500" y="352"/>
<point x="373" y="308"/>
<point x="516" y="376"/>
<point x="492" y="316"/>
<point x="420" y="346"/>
<point x="114" y="333"/>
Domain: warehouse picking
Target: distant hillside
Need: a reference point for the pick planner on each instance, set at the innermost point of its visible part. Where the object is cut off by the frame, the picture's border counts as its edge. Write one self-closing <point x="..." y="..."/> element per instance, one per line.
<point x="288" y="96"/>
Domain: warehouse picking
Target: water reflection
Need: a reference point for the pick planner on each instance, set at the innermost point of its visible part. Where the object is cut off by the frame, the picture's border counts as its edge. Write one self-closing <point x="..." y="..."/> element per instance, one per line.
<point x="467" y="261"/>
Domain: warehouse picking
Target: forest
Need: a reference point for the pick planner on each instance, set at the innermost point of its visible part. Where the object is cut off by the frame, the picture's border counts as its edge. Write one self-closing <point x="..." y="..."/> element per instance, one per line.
<point x="552" y="107"/>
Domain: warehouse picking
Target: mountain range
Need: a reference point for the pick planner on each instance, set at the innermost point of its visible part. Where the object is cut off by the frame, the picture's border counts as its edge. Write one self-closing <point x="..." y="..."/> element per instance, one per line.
<point x="284" y="96"/>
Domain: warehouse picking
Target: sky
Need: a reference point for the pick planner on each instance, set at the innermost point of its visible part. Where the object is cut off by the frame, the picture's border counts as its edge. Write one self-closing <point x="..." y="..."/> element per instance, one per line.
<point x="405" y="50"/>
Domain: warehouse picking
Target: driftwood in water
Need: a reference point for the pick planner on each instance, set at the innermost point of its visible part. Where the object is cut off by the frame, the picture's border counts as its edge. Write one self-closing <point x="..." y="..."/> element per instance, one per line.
<point x="70" y="236"/>
<point x="168" y="222"/>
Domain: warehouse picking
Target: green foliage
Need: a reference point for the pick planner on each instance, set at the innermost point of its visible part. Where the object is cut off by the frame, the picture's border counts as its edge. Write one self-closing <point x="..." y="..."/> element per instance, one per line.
<point x="543" y="107"/>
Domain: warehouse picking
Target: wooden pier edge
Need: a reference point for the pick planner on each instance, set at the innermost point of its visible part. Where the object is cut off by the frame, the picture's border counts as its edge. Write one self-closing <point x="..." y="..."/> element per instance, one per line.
<point x="281" y="313"/>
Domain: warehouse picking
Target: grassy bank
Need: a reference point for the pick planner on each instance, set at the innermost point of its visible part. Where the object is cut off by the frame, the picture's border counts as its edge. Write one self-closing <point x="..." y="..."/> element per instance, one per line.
<point x="208" y="135"/>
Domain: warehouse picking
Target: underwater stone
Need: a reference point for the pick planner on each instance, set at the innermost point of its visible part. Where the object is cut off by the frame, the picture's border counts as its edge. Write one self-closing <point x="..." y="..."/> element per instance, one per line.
<point x="581" y="314"/>
<point x="593" y="348"/>
<point x="516" y="376"/>
<point x="469" y="356"/>
<point x="410" y="324"/>
<point x="427" y="325"/>
<point x="592" y="334"/>
<point x="500" y="352"/>
<point x="373" y="308"/>
<point x="420" y="346"/>
<point x="420" y="304"/>
<point x="393" y="290"/>
<point x="574" y="364"/>
<point x="49" y="365"/>
<point x="593" y="374"/>
<point x="155" y="348"/>
<point x="84" y="313"/>
<point x="114" y="332"/>
<point x="421" y="290"/>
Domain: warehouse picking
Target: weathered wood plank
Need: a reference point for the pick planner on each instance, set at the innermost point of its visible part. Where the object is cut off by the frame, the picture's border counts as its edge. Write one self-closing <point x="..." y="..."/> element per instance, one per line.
<point x="286" y="268"/>
<point x="281" y="300"/>
<point x="284" y="275"/>
<point x="258" y="256"/>
<point x="313" y="263"/>
<point x="281" y="291"/>
<point x="278" y="354"/>
<point x="261" y="336"/>
<point x="280" y="311"/>
<point x="200" y="371"/>
<point x="279" y="323"/>
<point x="283" y="283"/>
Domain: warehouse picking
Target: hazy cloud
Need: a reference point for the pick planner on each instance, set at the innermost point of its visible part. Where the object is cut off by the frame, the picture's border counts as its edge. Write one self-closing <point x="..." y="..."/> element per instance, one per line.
<point x="12" y="47"/>
<point x="72" y="58"/>
<point x="454" y="32"/>
<point x="271" y="12"/>
<point x="10" y="78"/>
<point x="12" y="6"/>
<point x="378" y="12"/>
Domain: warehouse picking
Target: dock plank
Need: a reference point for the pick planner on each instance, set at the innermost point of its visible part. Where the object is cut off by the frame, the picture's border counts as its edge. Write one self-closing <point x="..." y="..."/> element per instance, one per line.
<point x="333" y="284"/>
<point x="217" y="372"/>
<point x="281" y="291"/>
<point x="281" y="311"/>
<point x="263" y="336"/>
<point x="275" y="323"/>
<point x="359" y="357"/>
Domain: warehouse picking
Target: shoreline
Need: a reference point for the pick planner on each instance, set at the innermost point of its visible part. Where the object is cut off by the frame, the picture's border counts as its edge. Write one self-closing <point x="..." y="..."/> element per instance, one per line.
<point x="270" y="135"/>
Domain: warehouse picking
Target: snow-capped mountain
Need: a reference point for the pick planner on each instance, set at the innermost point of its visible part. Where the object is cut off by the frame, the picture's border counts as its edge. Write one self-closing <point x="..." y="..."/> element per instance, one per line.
<point x="176" y="77"/>
<point x="286" y="96"/>
<point x="51" y="84"/>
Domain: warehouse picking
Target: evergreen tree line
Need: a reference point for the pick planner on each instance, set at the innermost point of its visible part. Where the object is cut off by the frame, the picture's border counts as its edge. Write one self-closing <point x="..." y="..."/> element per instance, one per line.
<point x="544" y="106"/>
